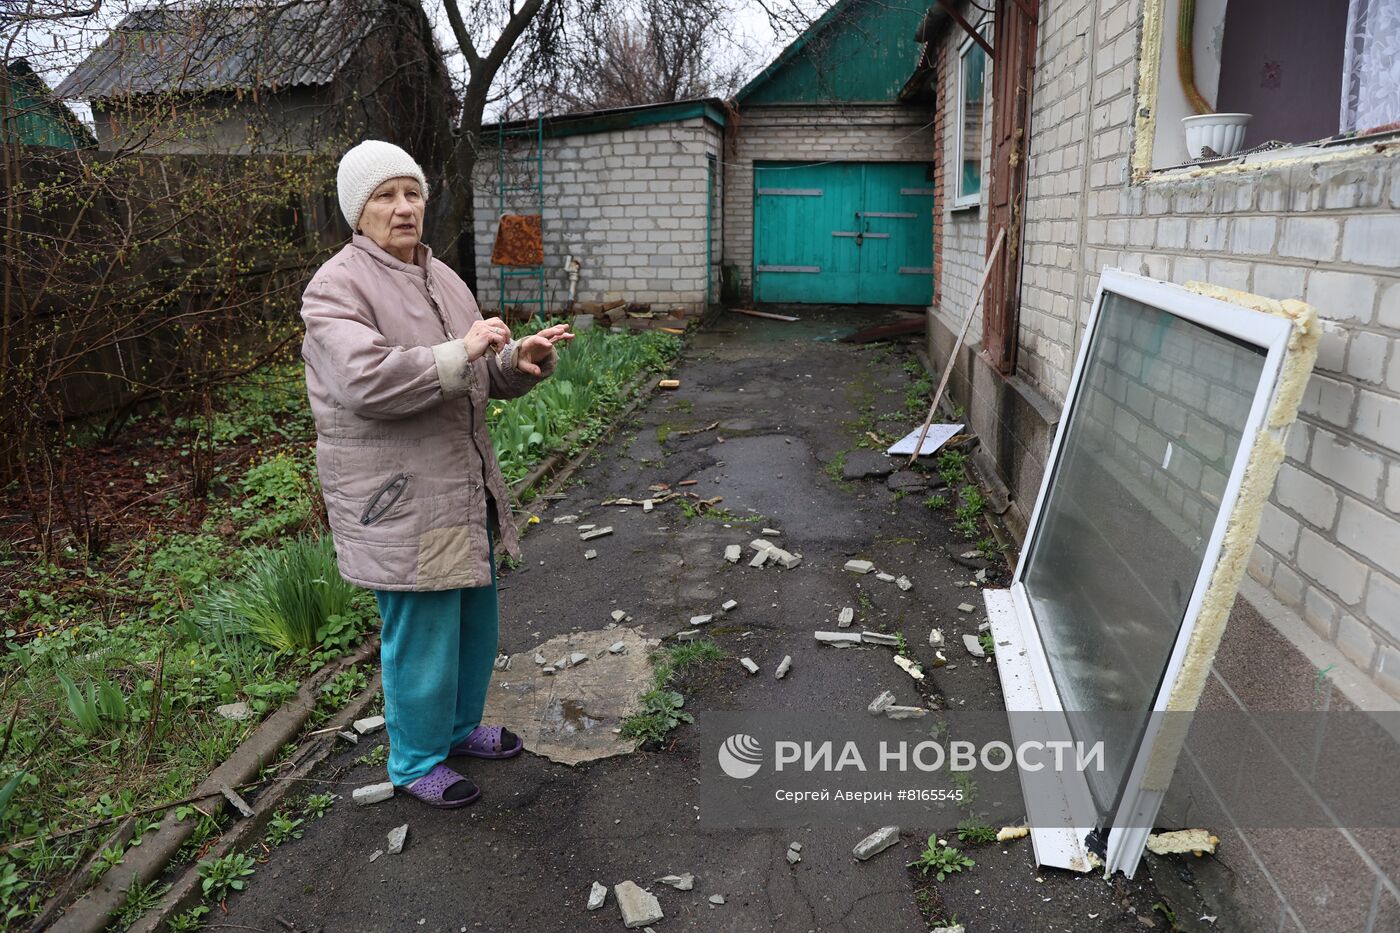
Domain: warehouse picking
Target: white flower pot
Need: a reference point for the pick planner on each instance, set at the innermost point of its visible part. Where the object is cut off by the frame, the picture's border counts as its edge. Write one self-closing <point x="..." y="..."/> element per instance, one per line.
<point x="1223" y="133"/>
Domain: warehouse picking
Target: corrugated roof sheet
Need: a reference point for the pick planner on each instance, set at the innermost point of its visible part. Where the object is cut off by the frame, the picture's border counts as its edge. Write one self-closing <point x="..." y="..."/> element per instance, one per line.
<point x="207" y="48"/>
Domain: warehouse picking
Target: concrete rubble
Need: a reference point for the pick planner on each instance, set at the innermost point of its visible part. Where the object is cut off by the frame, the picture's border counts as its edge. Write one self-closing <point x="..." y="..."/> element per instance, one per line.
<point x="884" y="577"/>
<point x="759" y="559"/>
<point x="682" y="882"/>
<point x="879" y="638"/>
<point x="368" y="724"/>
<point x="733" y="552"/>
<point x="729" y="605"/>
<point x="770" y="533"/>
<point x="847" y="616"/>
<point x="618" y="615"/>
<point x="617" y="647"/>
<point x="749" y="665"/>
<point x="876" y="842"/>
<point x="973" y="646"/>
<point x="577" y="658"/>
<point x="783" y="667"/>
<point x="839" y="639"/>
<point x="911" y="668"/>
<point x="688" y="635"/>
<point x="881" y="703"/>
<point x="376" y="854"/>
<point x="966" y="607"/>
<point x="794" y="853"/>
<point x="597" y="895"/>
<point x="583" y="528"/>
<point x="904" y="583"/>
<point x="238" y="712"/>
<point x="639" y="906"/>
<point x="935" y="638"/>
<point x="716" y="900"/>
<point x="905" y="712"/>
<point x="372" y="793"/>
<point x="502" y="662"/>
<point x="397" y="837"/>
<point x="566" y="520"/>
<point x="589" y="554"/>
<point x="700" y="620"/>
<point x="596" y="533"/>
<point x="348" y="736"/>
<point x="859" y="566"/>
<point x="860" y="464"/>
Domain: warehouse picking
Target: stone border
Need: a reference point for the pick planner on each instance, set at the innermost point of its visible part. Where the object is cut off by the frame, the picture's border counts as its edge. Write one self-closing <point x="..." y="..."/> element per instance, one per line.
<point x="92" y="911"/>
<point x="186" y="891"/>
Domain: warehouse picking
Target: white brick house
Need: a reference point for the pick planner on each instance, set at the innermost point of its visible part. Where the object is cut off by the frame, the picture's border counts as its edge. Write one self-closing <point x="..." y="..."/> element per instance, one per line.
<point x="1107" y="184"/>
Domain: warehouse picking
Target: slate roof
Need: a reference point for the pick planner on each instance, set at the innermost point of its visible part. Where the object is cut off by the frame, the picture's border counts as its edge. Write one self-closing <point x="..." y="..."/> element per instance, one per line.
<point x="217" y="47"/>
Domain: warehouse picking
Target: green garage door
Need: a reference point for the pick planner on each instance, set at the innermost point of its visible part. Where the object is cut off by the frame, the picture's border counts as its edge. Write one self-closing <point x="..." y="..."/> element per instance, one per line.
<point x="843" y="233"/>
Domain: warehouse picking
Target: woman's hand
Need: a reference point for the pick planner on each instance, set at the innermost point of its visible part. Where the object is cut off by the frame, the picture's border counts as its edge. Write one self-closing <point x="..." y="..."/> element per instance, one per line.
<point x="535" y="349"/>
<point x="487" y="334"/>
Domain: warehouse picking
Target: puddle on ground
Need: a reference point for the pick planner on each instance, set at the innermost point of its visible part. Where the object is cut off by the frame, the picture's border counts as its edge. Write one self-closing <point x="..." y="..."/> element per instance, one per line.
<point x="569" y="717"/>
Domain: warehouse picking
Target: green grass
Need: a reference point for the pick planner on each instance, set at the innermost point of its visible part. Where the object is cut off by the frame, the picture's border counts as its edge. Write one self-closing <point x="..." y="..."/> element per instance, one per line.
<point x="976" y="830"/>
<point x="576" y="402"/>
<point x="662" y="706"/>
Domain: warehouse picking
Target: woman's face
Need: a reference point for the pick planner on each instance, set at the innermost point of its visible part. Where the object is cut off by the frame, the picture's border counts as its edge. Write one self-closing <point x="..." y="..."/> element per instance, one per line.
<point x="393" y="217"/>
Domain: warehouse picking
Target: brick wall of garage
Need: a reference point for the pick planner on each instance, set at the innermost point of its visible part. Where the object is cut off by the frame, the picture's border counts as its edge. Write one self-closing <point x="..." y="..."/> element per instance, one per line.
<point x="630" y="204"/>
<point x="808" y="133"/>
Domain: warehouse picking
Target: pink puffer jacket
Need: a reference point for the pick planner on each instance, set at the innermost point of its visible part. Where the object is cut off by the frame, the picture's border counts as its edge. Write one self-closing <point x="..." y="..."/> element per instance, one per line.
<point x="405" y="461"/>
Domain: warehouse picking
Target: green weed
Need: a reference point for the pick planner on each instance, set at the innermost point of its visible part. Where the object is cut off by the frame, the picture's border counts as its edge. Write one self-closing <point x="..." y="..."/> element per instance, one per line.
<point x="976" y="830"/>
<point x="219" y="876"/>
<point x="940" y="859"/>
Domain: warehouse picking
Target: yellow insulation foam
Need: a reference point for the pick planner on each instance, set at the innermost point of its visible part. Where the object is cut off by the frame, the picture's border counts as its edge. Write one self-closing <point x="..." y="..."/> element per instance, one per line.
<point x="1242" y="526"/>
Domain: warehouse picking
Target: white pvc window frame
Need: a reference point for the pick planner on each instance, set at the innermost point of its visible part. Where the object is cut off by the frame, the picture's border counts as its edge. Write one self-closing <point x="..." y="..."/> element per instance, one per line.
<point x="969" y="46"/>
<point x="1024" y="668"/>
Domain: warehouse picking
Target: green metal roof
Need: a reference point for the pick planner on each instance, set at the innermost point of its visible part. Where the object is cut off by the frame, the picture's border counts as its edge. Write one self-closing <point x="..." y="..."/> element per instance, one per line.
<point x="35" y="118"/>
<point x="603" y="121"/>
<point x="857" y="51"/>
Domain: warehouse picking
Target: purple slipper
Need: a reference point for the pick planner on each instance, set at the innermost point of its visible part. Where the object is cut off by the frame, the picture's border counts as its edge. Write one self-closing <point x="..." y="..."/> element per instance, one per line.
<point x="489" y="742"/>
<point x="432" y="788"/>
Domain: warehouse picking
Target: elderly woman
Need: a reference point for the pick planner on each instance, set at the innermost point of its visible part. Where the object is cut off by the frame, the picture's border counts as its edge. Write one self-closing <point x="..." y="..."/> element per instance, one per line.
<point x="399" y="367"/>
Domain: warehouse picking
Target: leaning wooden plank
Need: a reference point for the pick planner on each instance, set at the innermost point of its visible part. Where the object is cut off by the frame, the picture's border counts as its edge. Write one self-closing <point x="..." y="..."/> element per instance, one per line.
<point x="764" y="314"/>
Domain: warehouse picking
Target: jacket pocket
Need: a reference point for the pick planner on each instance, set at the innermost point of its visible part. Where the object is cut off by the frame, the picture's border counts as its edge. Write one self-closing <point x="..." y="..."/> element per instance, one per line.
<point x="383" y="500"/>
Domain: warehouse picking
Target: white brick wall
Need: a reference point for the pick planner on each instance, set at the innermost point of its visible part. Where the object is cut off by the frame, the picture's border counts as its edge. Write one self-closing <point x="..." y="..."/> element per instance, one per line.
<point x="799" y="132"/>
<point x="629" y="204"/>
<point x="1324" y="230"/>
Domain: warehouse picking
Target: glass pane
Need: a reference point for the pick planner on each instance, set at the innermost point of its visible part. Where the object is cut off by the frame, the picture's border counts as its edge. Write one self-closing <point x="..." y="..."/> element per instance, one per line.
<point x="1127" y="518"/>
<point x="974" y="66"/>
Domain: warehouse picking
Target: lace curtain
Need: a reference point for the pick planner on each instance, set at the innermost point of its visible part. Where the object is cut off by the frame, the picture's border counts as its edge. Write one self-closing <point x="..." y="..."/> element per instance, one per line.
<point x="1371" y="66"/>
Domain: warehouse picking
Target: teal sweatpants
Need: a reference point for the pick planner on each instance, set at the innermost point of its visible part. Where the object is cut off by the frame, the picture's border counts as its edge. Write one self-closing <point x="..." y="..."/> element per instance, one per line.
<point x="437" y="652"/>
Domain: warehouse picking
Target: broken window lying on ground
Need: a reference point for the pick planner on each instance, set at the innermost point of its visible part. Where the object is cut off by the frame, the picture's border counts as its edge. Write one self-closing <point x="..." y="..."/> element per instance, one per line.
<point x="1170" y="440"/>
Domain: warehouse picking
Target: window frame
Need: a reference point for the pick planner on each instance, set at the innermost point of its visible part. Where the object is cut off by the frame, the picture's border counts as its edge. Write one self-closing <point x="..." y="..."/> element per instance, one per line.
<point x="1024" y="667"/>
<point x="959" y="200"/>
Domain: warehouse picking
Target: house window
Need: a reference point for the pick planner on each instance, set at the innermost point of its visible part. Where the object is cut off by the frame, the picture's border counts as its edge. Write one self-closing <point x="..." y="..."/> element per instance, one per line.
<point x="1299" y="86"/>
<point x="972" y="73"/>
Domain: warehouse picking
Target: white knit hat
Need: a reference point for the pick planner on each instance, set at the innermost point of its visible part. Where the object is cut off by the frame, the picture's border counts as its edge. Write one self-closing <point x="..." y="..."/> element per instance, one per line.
<point x="366" y="167"/>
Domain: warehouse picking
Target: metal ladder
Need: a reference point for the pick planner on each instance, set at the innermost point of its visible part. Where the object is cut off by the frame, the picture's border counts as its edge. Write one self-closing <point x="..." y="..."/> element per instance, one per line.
<point x="513" y="193"/>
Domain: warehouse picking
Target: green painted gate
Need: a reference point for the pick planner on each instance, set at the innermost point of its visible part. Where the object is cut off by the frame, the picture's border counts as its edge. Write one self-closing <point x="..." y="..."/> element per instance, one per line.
<point x="843" y="233"/>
